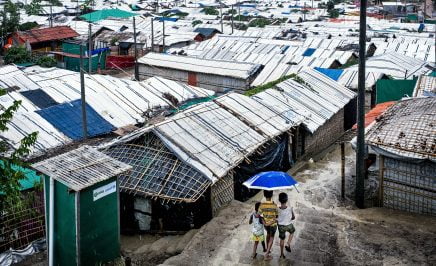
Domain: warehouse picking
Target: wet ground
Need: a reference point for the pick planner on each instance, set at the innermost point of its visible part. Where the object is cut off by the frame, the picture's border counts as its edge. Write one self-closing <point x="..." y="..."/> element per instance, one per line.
<point x="330" y="231"/>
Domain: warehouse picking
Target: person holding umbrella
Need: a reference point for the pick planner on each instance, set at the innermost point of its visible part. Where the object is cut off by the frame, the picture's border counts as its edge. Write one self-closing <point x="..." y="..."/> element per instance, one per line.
<point x="269" y="181"/>
<point x="269" y="211"/>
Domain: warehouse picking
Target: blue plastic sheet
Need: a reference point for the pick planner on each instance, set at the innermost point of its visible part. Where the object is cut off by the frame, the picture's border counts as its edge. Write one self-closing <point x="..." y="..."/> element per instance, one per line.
<point x="309" y="52"/>
<point x="67" y="118"/>
<point x="39" y="98"/>
<point x="331" y="73"/>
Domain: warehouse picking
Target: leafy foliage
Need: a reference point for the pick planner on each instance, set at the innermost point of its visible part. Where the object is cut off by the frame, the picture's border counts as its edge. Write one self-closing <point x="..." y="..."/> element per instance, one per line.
<point x="240" y="26"/>
<point x="196" y="22"/>
<point x="210" y="11"/>
<point x="268" y="85"/>
<point x="27" y="26"/>
<point x="46" y="61"/>
<point x="259" y="22"/>
<point x="334" y="13"/>
<point x="34" y="8"/>
<point x="17" y="55"/>
<point x="10" y="17"/>
<point x="9" y="175"/>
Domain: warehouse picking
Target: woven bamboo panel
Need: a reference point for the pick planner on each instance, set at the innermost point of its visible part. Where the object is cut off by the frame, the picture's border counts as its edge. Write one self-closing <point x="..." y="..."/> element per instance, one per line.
<point x="222" y="193"/>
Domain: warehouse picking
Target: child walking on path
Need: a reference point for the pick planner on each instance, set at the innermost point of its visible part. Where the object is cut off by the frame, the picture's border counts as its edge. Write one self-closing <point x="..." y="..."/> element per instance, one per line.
<point x="258" y="229"/>
<point x="284" y="220"/>
<point x="269" y="212"/>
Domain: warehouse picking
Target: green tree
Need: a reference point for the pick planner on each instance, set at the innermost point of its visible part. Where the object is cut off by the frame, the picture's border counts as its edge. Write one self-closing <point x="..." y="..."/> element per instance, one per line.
<point x="330" y="5"/>
<point x="34" y="8"/>
<point x="46" y="61"/>
<point x="10" y="18"/>
<point x="17" y="55"/>
<point x="10" y="175"/>
<point x="334" y="13"/>
<point x="196" y="22"/>
<point x="210" y="11"/>
<point x="27" y="26"/>
<point x="259" y="22"/>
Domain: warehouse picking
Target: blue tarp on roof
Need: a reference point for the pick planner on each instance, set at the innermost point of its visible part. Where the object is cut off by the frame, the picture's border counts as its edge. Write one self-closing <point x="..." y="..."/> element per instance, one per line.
<point x="309" y="52"/>
<point x="208" y="32"/>
<point x="67" y="118"/>
<point x="39" y="98"/>
<point x="167" y="19"/>
<point x="331" y="73"/>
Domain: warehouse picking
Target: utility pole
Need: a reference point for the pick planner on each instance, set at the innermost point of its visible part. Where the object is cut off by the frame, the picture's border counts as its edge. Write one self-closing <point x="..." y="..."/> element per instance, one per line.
<point x="152" y="35"/>
<point x="89" y="49"/>
<point x="82" y="94"/>
<point x="239" y="11"/>
<point x="232" y="19"/>
<point x="163" y="34"/>
<point x="136" y="50"/>
<point x="51" y="16"/>
<point x="221" y="16"/>
<point x="360" y="155"/>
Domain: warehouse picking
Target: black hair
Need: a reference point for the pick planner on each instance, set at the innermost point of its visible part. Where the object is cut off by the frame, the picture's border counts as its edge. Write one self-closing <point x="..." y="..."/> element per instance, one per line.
<point x="256" y="206"/>
<point x="268" y="194"/>
<point x="283" y="198"/>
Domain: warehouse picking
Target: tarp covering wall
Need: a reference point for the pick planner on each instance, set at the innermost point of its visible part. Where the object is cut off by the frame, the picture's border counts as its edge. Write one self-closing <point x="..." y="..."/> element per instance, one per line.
<point x="277" y="156"/>
<point x="394" y="90"/>
<point x="67" y="118"/>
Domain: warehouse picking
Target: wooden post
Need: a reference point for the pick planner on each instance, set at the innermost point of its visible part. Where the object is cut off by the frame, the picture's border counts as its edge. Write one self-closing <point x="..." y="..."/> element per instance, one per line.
<point x="381" y="169"/>
<point x="343" y="170"/>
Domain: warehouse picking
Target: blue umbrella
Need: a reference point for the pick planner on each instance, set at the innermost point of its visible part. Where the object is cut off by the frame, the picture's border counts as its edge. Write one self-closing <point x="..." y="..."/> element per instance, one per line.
<point x="271" y="181"/>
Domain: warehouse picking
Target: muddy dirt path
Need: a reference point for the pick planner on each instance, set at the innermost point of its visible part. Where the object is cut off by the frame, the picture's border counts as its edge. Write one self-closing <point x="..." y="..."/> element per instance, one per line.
<point x="330" y="231"/>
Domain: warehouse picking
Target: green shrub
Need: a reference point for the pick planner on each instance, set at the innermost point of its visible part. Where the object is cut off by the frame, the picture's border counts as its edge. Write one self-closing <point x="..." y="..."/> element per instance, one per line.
<point x="210" y="11"/>
<point x="196" y="22"/>
<point x="27" y="26"/>
<point x="17" y="55"/>
<point x="333" y="13"/>
<point x="46" y="61"/>
<point x="259" y="22"/>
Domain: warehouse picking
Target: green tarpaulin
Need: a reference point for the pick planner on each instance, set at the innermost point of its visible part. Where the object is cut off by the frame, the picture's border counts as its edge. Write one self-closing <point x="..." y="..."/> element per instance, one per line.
<point x="31" y="178"/>
<point x="393" y="90"/>
<point x="106" y="13"/>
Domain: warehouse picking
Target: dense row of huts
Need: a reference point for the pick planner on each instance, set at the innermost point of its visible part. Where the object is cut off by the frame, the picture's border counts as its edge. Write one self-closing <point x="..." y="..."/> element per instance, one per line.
<point x="187" y="130"/>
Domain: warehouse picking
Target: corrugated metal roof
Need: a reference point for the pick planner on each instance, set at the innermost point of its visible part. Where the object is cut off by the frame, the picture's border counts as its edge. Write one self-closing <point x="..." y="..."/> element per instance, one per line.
<point x="316" y="102"/>
<point x="209" y="138"/>
<point x="215" y="67"/>
<point x="397" y="65"/>
<point x="11" y="76"/>
<point x="47" y="34"/>
<point x="425" y="87"/>
<point x="23" y="124"/>
<point x="259" y="116"/>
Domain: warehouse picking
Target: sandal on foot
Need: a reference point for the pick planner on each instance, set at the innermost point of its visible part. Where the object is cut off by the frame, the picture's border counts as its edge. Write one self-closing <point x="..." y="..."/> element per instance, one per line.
<point x="288" y="248"/>
<point x="254" y="256"/>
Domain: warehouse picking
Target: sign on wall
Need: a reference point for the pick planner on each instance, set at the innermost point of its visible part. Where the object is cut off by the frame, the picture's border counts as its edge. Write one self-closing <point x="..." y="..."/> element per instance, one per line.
<point x="105" y="190"/>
